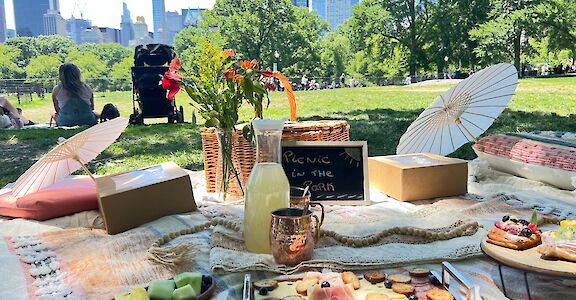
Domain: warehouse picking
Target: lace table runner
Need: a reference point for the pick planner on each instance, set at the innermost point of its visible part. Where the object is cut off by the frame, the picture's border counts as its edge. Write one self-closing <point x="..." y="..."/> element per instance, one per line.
<point x="228" y="252"/>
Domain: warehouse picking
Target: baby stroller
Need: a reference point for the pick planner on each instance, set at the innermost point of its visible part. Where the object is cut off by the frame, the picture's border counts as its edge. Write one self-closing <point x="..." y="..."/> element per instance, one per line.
<point x="148" y="97"/>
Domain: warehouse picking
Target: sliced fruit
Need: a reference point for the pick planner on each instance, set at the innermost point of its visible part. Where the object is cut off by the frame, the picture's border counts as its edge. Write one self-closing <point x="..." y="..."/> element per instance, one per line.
<point x="269" y="284"/>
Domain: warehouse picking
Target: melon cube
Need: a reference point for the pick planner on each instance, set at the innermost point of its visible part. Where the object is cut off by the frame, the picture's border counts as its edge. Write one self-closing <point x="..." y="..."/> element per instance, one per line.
<point x="194" y="279"/>
<point x="161" y="289"/>
<point x="184" y="293"/>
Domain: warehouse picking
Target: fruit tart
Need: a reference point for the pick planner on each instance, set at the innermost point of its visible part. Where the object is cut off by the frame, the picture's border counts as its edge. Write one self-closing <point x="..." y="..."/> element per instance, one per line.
<point x="560" y="243"/>
<point x="515" y="233"/>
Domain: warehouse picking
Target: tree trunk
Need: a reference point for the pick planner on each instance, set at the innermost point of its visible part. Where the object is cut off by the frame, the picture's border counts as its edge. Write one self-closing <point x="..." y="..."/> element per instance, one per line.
<point x="517" y="49"/>
<point x="412" y="39"/>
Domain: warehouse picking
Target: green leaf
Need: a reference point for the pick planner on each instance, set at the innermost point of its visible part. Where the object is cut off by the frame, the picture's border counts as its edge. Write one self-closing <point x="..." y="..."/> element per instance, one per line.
<point x="212" y="122"/>
<point x="534" y="219"/>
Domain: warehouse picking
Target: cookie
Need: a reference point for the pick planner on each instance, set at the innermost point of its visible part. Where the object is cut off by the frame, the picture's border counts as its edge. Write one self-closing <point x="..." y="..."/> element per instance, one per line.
<point x="438" y="294"/>
<point x="374" y="276"/>
<point x="419" y="272"/>
<point x="376" y="296"/>
<point x="302" y="286"/>
<point x="269" y="284"/>
<point x="403" y="288"/>
<point x="399" y="278"/>
<point x="351" y="278"/>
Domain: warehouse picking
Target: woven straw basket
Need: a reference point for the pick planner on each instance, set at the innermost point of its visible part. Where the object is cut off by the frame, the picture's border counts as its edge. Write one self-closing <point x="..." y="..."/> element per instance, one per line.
<point x="244" y="154"/>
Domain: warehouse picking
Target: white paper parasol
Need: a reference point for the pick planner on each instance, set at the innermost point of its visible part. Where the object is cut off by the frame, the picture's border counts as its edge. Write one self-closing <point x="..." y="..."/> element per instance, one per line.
<point x="69" y="156"/>
<point x="462" y="113"/>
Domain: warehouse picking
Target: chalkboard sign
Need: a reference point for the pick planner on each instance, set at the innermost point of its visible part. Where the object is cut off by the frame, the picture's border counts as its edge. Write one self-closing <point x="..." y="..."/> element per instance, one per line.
<point x="336" y="172"/>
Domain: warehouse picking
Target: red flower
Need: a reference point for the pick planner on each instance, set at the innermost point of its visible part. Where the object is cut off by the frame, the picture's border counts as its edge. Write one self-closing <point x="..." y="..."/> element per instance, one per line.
<point x="228" y="52"/>
<point x="245" y="64"/>
<point x="266" y="73"/>
<point x="229" y="74"/>
<point x="171" y="82"/>
<point x="174" y="65"/>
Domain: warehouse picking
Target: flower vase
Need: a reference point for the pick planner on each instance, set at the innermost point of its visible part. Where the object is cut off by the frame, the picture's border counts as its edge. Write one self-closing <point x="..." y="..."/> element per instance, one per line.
<point x="229" y="187"/>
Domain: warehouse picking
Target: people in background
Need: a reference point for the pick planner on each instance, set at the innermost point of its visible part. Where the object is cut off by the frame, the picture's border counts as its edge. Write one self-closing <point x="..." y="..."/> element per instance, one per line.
<point x="304" y="82"/>
<point x="73" y="99"/>
<point x="342" y="78"/>
<point x="9" y="112"/>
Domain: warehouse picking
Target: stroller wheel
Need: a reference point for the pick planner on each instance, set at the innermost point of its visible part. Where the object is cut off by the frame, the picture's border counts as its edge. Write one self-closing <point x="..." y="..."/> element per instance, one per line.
<point x="136" y="119"/>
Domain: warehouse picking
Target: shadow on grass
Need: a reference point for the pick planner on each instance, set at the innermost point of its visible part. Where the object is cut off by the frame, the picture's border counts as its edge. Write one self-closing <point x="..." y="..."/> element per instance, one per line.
<point x="382" y="128"/>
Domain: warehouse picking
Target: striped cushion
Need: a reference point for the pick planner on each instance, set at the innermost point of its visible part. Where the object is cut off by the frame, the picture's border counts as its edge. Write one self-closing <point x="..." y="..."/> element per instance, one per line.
<point x="529" y="151"/>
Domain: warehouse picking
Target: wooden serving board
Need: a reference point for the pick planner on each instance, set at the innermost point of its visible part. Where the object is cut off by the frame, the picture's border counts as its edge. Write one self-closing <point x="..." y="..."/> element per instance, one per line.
<point x="529" y="260"/>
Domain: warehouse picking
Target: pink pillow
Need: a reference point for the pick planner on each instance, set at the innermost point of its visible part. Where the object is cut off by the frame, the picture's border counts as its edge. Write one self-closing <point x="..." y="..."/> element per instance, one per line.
<point x="60" y="199"/>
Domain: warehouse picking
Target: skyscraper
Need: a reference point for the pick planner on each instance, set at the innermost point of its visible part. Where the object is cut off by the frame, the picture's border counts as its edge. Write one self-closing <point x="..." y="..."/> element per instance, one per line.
<point x="141" y="34"/>
<point x="110" y="35"/>
<point x="54" y="23"/>
<point x="159" y="19"/>
<point x="3" y="33"/>
<point x="192" y="16"/>
<point x="29" y="15"/>
<point x="75" y="27"/>
<point x="302" y="3"/>
<point x="319" y="6"/>
<point x="126" y="27"/>
<point x="334" y="11"/>
<point x="174" y="23"/>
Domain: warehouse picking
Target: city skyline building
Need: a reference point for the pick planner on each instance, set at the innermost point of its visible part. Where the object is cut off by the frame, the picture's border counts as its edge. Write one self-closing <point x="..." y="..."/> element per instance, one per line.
<point x="29" y="16"/>
<point x="174" y="23"/>
<point x="300" y="3"/>
<point x="319" y="7"/>
<point x="54" y="23"/>
<point x="92" y="35"/>
<point x="159" y="20"/>
<point x="3" y="29"/>
<point x="141" y="34"/>
<point x="75" y="28"/>
<point x="110" y="35"/>
<point x="126" y="26"/>
<point x="335" y="12"/>
<point x="192" y="16"/>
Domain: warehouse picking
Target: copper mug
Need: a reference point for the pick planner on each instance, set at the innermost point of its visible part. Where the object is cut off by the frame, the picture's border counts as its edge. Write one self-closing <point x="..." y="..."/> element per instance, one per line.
<point x="298" y="198"/>
<point x="293" y="235"/>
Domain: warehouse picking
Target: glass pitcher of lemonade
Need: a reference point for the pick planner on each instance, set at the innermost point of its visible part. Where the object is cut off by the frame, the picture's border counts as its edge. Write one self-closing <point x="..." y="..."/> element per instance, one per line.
<point x="267" y="189"/>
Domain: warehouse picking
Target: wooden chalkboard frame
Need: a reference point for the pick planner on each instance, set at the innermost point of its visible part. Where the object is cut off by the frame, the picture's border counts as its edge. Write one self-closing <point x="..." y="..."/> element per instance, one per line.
<point x="343" y="144"/>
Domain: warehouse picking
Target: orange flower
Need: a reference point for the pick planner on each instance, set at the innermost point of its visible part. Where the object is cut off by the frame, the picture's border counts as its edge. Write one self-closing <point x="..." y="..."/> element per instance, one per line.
<point x="245" y="64"/>
<point x="228" y="52"/>
<point x="229" y="74"/>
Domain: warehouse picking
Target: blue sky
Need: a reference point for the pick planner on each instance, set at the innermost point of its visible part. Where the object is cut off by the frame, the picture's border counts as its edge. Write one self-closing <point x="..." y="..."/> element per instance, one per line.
<point x="106" y="13"/>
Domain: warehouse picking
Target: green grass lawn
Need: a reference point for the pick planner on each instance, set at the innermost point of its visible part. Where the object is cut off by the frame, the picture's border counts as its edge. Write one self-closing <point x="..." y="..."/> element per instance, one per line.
<point x="379" y="115"/>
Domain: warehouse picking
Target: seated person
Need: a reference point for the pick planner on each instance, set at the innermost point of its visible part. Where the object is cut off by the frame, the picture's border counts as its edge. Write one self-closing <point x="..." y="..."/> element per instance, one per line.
<point x="5" y="121"/>
<point x="29" y="122"/>
<point x="73" y="99"/>
<point x="9" y="112"/>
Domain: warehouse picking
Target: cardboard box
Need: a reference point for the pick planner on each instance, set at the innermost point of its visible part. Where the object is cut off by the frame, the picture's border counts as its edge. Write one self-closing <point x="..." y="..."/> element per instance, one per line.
<point x="418" y="176"/>
<point x="130" y="199"/>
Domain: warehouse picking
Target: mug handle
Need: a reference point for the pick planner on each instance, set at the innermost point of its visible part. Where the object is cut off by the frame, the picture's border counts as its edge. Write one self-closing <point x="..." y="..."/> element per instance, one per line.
<point x="313" y="204"/>
<point x="318" y="224"/>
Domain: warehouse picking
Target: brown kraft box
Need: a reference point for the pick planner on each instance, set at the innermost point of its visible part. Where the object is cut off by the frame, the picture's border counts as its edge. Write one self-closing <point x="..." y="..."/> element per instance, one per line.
<point x="130" y="199"/>
<point x="418" y="176"/>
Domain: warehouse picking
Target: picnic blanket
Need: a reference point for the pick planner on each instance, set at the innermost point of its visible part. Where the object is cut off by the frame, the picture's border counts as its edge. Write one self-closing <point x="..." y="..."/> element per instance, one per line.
<point x="80" y="254"/>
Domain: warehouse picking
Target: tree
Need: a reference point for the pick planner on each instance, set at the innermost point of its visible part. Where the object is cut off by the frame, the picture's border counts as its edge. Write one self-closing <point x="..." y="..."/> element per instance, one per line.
<point x="500" y="38"/>
<point x="53" y="45"/>
<point x="557" y="19"/>
<point x="335" y="54"/>
<point x="449" y="32"/>
<point x="93" y="68"/>
<point x="9" y="68"/>
<point x="256" y="29"/>
<point x="188" y="43"/>
<point x="43" y="67"/>
<point x="109" y="53"/>
<point x="121" y="75"/>
<point x="27" y="47"/>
